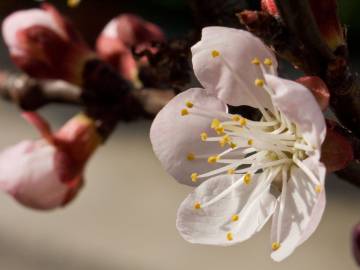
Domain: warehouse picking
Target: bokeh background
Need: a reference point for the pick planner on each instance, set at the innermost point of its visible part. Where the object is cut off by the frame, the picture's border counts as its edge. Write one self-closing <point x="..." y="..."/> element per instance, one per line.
<point x="125" y="216"/>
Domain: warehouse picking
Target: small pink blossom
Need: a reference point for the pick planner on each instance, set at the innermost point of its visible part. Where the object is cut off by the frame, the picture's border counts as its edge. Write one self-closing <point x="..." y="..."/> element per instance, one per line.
<point x="45" y="45"/>
<point x="123" y="34"/>
<point x="47" y="173"/>
<point x="246" y="171"/>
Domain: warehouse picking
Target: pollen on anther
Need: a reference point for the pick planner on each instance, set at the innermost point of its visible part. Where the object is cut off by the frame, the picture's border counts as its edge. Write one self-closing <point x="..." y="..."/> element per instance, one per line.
<point x="267" y="61"/>
<point x="234" y="218"/>
<point x="250" y="142"/>
<point x="220" y="130"/>
<point x="275" y="246"/>
<point x="194" y="177"/>
<point x="190" y="156"/>
<point x="203" y="136"/>
<point x="242" y="122"/>
<point x="189" y="104"/>
<point x="236" y="117"/>
<point x="259" y="82"/>
<point x="184" y="112"/>
<point x="318" y="188"/>
<point x="233" y="145"/>
<point x="231" y="171"/>
<point x="229" y="236"/>
<point x="215" y="53"/>
<point x="255" y="61"/>
<point x="197" y="205"/>
<point x="215" y="123"/>
<point x="247" y="179"/>
<point x="213" y="159"/>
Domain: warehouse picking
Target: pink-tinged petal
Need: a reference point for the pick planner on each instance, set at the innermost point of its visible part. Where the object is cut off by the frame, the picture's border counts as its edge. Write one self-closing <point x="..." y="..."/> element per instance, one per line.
<point x="40" y="123"/>
<point x="303" y="209"/>
<point x="28" y="173"/>
<point x="298" y="104"/>
<point x="318" y="88"/>
<point x="174" y="137"/>
<point x="21" y="20"/>
<point x="217" y="224"/>
<point x="225" y="68"/>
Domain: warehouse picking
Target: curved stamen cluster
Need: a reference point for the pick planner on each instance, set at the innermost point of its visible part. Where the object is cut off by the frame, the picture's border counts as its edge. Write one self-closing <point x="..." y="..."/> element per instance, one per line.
<point x="267" y="148"/>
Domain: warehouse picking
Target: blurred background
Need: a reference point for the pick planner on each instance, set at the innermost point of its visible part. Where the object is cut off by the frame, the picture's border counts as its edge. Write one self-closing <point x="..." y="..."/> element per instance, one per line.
<point x="125" y="216"/>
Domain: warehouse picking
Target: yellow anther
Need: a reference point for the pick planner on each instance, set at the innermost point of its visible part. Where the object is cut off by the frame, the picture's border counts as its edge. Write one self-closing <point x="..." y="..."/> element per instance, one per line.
<point x="267" y="61"/>
<point x="215" y="123"/>
<point x="215" y="53"/>
<point x="225" y="140"/>
<point x="231" y="171"/>
<point x="259" y="82"/>
<point x="203" y="136"/>
<point x="250" y="142"/>
<point x="184" y="112"/>
<point x="190" y="156"/>
<point x="275" y="246"/>
<point x="189" y="104"/>
<point x="234" y="218"/>
<point x="236" y="117"/>
<point x="194" y="177"/>
<point x="318" y="188"/>
<point x="213" y="159"/>
<point x="229" y="236"/>
<point x="242" y="122"/>
<point x="220" y="130"/>
<point x="197" y="205"/>
<point x="255" y="61"/>
<point x="247" y="179"/>
<point x="233" y="145"/>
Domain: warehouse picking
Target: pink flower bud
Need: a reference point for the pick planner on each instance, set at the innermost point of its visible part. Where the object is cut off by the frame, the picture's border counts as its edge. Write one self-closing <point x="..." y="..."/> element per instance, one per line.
<point x="318" y="89"/>
<point x="45" y="45"/>
<point x="270" y="7"/>
<point x="120" y="36"/>
<point x="356" y="243"/>
<point x="47" y="173"/>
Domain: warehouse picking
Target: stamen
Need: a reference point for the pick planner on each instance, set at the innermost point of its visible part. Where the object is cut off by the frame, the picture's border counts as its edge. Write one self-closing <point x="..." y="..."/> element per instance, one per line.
<point x="231" y="171"/>
<point x="189" y="104"/>
<point x="184" y="112"/>
<point x="250" y="142"/>
<point x="215" y="53"/>
<point x="259" y="82"/>
<point x="267" y="61"/>
<point x="220" y="130"/>
<point x="242" y="122"/>
<point x="255" y="61"/>
<point x="275" y="246"/>
<point x="236" y="117"/>
<point x="197" y="205"/>
<point x="247" y="179"/>
<point x="234" y="218"/>
<point x="229" y="236"/>
<point x="203" y="136"/>
<point x="194" y="177"/>
<point x="215" y="123"/>
<point x="213" y="159"/>
<point x="190" y="156"/>
<point x="318" y="189"/>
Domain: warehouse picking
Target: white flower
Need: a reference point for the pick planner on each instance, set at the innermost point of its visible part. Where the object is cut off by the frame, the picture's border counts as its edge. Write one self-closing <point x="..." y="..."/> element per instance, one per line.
<point x="253" y="169"/>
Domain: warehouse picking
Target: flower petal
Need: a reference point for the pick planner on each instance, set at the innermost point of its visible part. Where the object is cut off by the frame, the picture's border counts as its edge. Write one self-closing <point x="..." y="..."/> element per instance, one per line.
<point x="303" y="209"/>
<point x="27" y="172"/>
<point x="174" y="137"/>
<point x="307" y="115"/>
<point x="212" y="224"/>
<point x="231" y="86"/>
